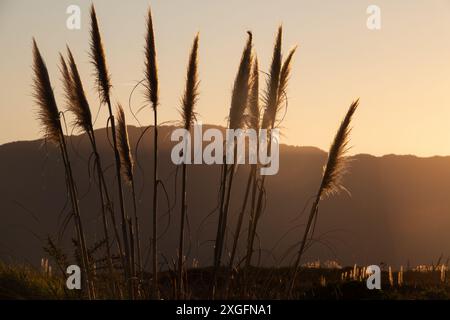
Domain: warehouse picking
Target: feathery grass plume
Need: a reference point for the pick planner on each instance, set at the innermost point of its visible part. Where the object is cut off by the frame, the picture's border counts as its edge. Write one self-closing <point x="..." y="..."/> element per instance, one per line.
<point x="239" y="97"/>
<point x="97" y="54"/>
<point x="191" y="91"/>
<point x="48" y="113"/>
<point x="67" y="82"/>
<point x="331" y="181"/>
<point x="254" y="123"/>
<point x="273" y="83"/>
<point x="337" y="161"/>
<point x="253" y="100"/>
<point x="188" y="102"/>
<point x="284" y="79"/>
<point x="79" y="106"/>
<point x="151" y="94"/>
<point x="151" y="69"/>
<point x="124" y="146"/>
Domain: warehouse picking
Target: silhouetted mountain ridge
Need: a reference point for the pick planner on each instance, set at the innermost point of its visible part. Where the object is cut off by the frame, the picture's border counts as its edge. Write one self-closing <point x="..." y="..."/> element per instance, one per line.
<point x="398" y="210"/>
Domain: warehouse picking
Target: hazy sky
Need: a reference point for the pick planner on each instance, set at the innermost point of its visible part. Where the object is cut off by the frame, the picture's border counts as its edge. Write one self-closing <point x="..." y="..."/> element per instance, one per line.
<point x="401" y="73"/>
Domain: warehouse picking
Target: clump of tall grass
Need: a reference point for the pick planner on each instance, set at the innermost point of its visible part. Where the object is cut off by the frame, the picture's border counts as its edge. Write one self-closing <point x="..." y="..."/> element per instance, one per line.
<point x="331" y="181"/>
<point x="25" y="282"/>
<point x="244" y="113"/>
<point x="103" y="82"/>
<point x="49" y="116"/>
<point x="236" y="120"/>
<point x="270" y="101"/>
<point x="252" y="118"/>
<point x="274" y="97"/>
<point x="188" y="103"/>
<point x="77" y="103"/>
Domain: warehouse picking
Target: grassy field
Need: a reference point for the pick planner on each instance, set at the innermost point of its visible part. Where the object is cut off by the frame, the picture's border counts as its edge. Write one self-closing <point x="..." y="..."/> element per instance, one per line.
<point x="24" y="282"/>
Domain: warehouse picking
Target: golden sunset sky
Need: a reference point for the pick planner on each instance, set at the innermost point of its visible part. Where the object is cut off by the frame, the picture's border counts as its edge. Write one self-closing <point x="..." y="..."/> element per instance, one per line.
<point x="401" y="73"/>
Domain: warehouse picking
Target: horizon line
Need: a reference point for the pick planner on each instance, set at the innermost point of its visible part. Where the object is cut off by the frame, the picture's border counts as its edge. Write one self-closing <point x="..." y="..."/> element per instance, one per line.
<point x="75" y="134"/>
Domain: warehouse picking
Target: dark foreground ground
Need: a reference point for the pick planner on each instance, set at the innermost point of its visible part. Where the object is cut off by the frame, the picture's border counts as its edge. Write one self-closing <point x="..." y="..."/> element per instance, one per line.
<point x="21" y="282"/>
